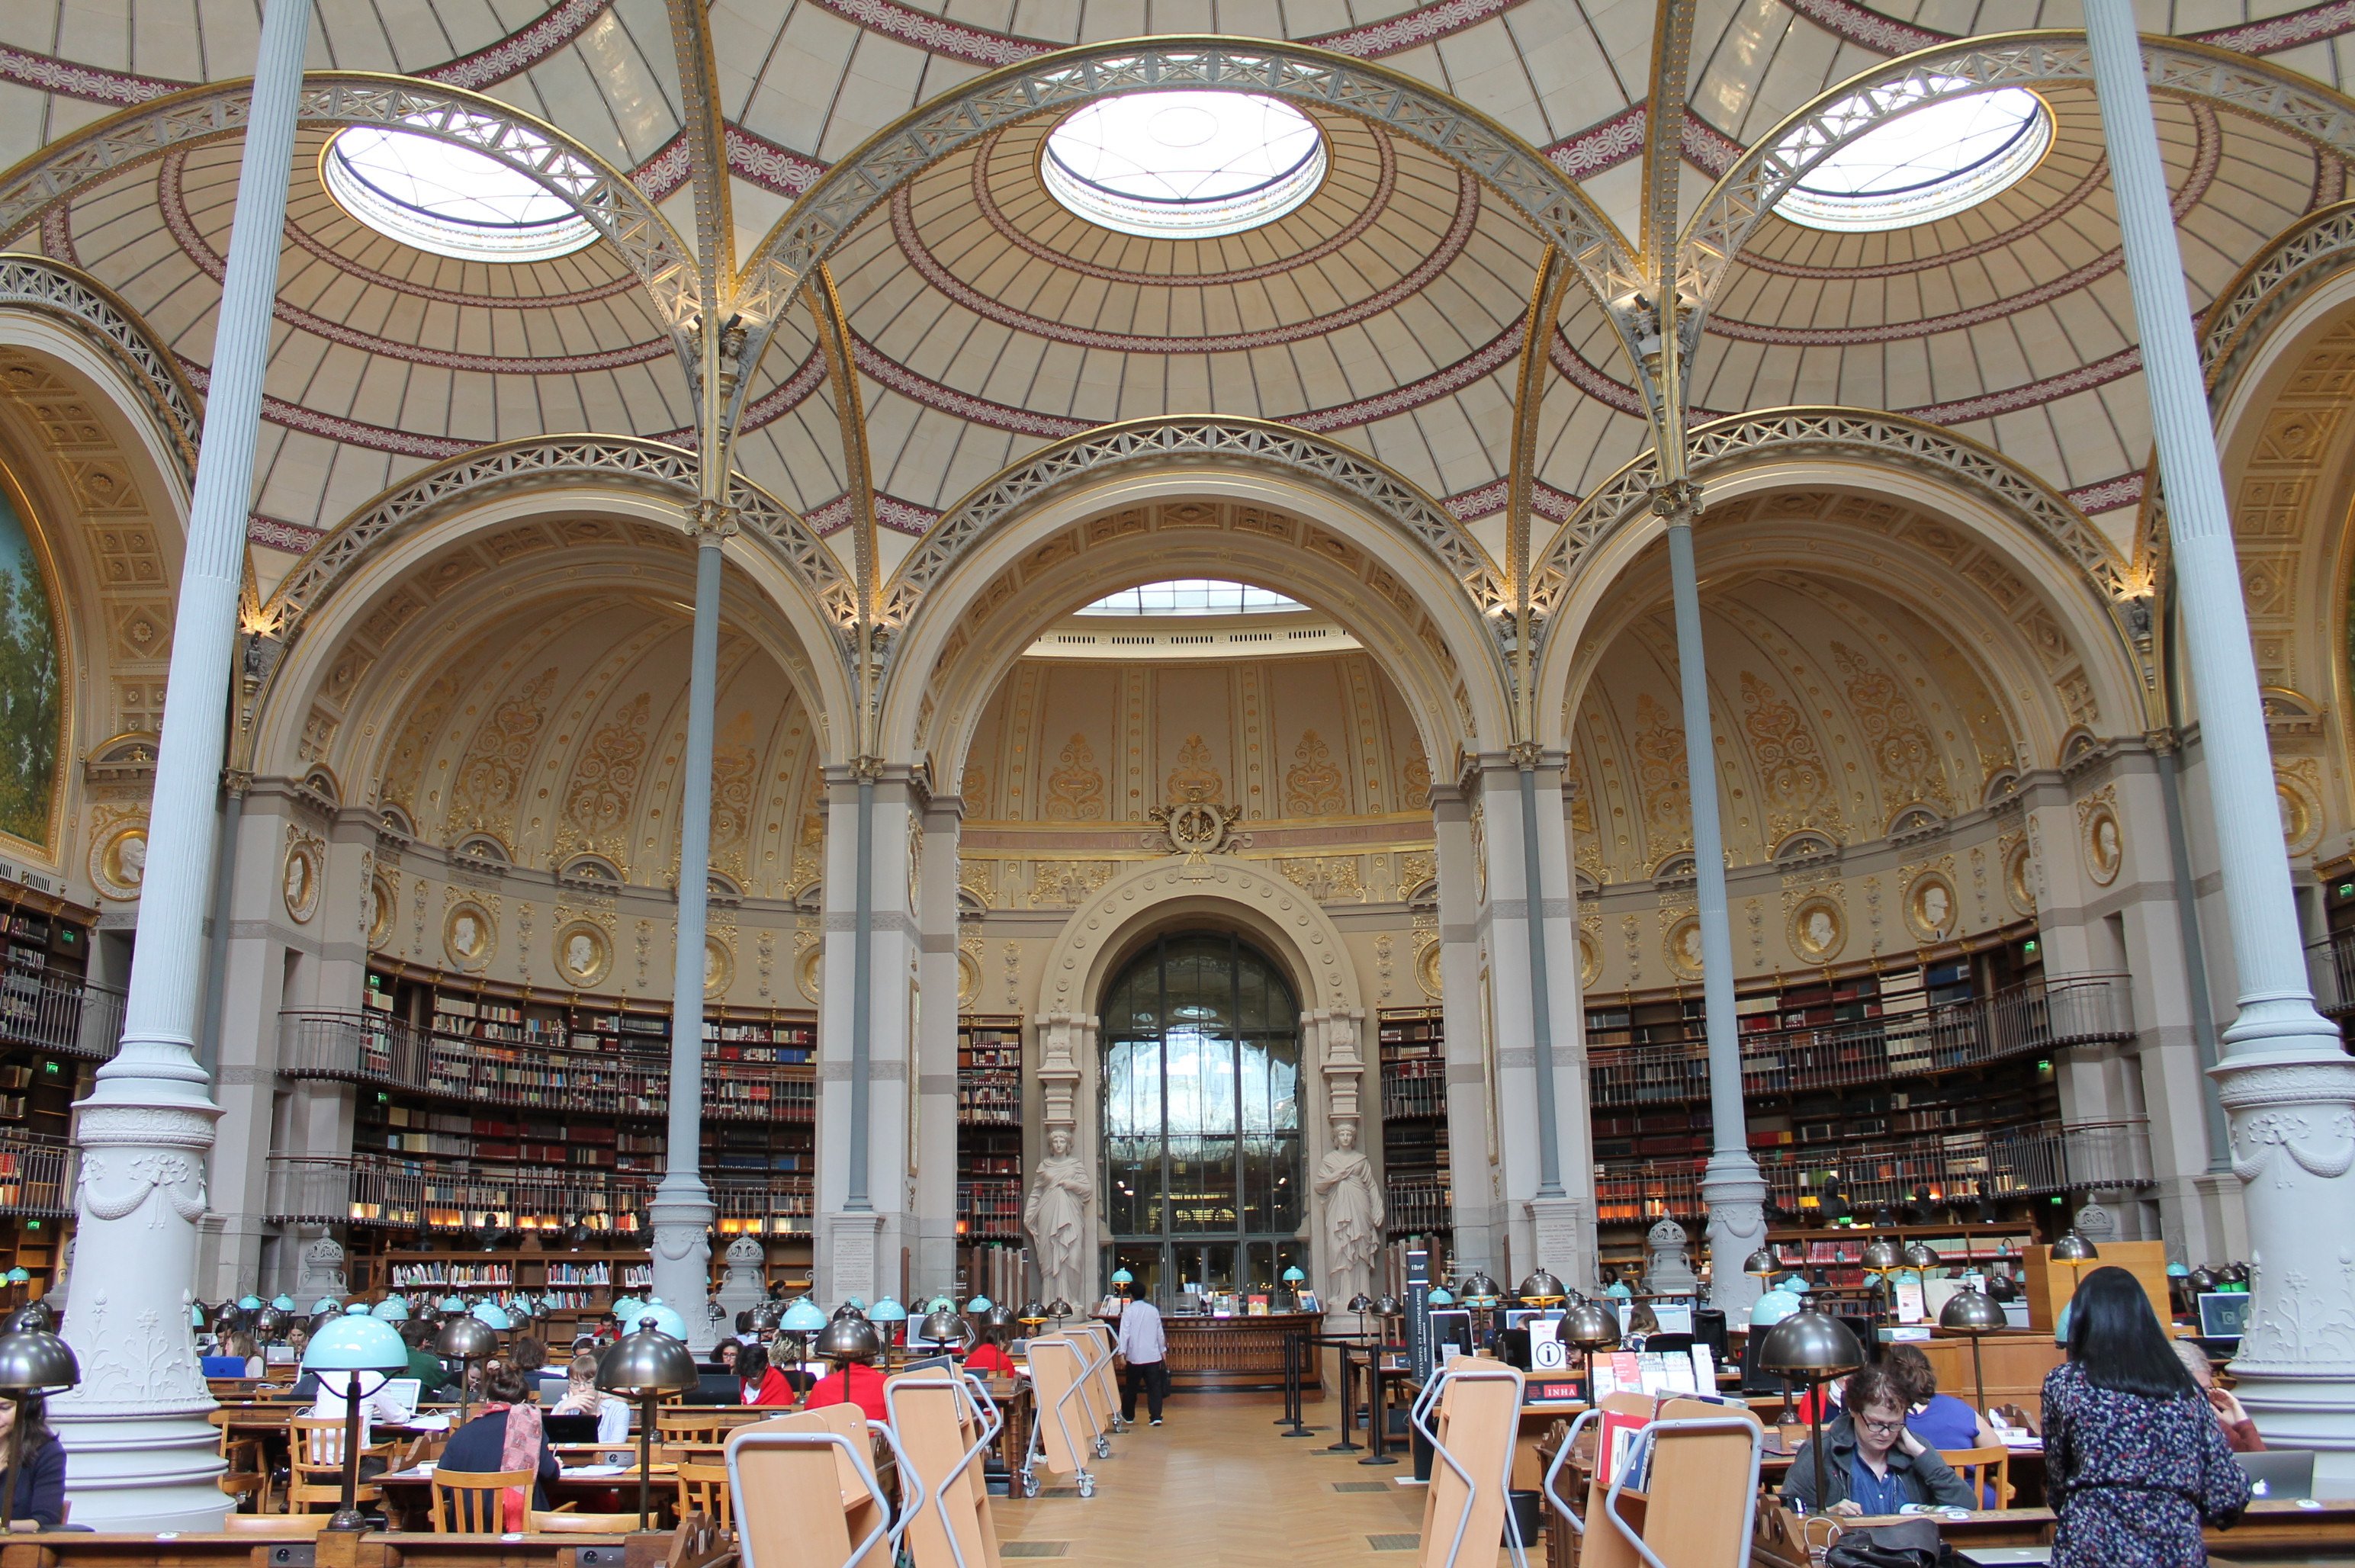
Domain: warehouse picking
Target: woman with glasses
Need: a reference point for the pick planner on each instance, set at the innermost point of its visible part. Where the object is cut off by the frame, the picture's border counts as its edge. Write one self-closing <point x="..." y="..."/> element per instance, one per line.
<point x="1872" y="1465"/>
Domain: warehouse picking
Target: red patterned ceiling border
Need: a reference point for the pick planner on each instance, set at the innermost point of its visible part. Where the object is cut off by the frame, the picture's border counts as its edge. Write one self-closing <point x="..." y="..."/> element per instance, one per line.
<point x="277" y="533"/>
<point x="1013" y="233"/>
<point x="90" y="83"/>
<point x="2069" y="202"/>
<point x="936" y="273"/>
<point x="1988" y="405"/>
<point x="1487" y="500"/>
<point x="1619" y="139"/>
<point x="2106" y="495"/>
<point x="1870" y="29"/>
<point x="890" y="512"/>
<point x="170" y="200"/>
<point x="753" y="159"/>
<point x="1486" y="360"/>
<point x="306" y="240"/>
<point x="56" y="235"/>
<point x="332" y="427"/>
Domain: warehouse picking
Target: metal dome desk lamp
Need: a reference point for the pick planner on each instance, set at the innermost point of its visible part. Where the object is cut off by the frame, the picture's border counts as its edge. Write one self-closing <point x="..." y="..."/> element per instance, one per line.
<point x="1590" y="1326"/>
<point x="644" y="1367"/>
<point x="353" y="1344"/>
<point x="1361" y="1304"/>
<point x="466" y="1340"/>
<point x="801" y="1320"/>
<point x="1883" y="1257"/>
<point x="1812" y="1348"/>
<point x="1967" y="1311"/>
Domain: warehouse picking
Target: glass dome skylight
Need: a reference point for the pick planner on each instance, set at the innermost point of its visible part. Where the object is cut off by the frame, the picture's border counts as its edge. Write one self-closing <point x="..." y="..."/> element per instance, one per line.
<point x="1920" y="164"/>
<point x="1184" y="165"/>
<point x="1193" y="596"/>
<point x="451" y="200"/>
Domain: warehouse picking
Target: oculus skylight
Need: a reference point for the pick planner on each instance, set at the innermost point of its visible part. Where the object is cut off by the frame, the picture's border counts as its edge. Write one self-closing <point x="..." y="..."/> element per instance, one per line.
<point x="1184" y="165"/>
<point x="1920" y="163"/>
<point x="1193" y="596"/>
<point x="451" y="200"/>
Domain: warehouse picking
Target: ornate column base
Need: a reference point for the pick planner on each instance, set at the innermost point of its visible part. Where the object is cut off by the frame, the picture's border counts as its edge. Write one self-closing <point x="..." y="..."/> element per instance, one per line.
<point x="1736" y="1195"/>
<point x="2293" y="1128"/>
<point x="141" y="1455"/>
<point x="681" y="1217"/>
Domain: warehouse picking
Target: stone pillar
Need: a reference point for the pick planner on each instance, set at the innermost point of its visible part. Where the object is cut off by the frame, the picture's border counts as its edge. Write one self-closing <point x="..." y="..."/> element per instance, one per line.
<point x="1732" y="1184"/>
<point x="936" y="1051"/>
<point x="1472" y="1153"/>
<point x="142" y="1455"/>
<point x="866" y="1033"/>
<point x="2288" y="1083"/>
<point x="1548" y="1150"/>
<point x="254" y="953"/>
<point x="681" y="1211"/>
<point x="1063" y="1045"/>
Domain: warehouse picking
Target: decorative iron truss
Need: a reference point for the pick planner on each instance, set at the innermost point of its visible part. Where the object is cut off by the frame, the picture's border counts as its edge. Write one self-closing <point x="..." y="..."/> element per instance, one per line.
<point x="52" y="288"/>
<point x="1881" y="438"/>
<point x="2317" y="247"/>
<point x="1780" y="158"/>
<point x="621" y="462"/>
<point x="1162" y="442"/>
<point x="601" y="192"/>
<point x="1546" y="199"/>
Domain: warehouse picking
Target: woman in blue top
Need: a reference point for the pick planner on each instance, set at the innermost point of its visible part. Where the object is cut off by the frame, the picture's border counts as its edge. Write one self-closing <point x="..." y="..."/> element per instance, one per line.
<point x="40" y="1493"/>
<point x="1938" y="1419"/>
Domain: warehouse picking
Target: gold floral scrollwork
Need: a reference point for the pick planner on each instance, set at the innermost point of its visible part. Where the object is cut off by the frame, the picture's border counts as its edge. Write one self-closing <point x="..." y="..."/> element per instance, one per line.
<point x="1312" y="785"/>
<point x="1194" y="777"/>
<point x="1075" y="792"/>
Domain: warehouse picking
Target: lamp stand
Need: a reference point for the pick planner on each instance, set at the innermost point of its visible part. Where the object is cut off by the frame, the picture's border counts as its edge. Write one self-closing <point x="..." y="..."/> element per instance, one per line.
<point x="646" y="1463"/>
<point x="465" y="1387"/>
<point x="347" y="1516"/>
<point x="1978" y="1374"/>
<point x="1815" y="1436"/>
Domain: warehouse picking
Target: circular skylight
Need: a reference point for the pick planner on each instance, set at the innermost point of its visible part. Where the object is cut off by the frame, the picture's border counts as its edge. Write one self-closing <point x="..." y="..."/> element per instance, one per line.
<point x="1193" y="596"/>
<point x="449" y="199"/>
<point x="1920" y="163"/>
<point x="1184" y="165"/>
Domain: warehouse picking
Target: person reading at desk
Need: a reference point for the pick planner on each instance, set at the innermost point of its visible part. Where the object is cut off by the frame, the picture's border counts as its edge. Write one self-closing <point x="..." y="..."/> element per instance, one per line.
<point x="989" y="1358"/>
<point x="760" y="1382"/>
<point x="1871" y="1463"/>
<point x="39" y="1493"/>
<point x="506" y="1437"/>
<point x="377" y="1403"/>
<point x="583" y="1397"/>
<point x="852" y="1345"/>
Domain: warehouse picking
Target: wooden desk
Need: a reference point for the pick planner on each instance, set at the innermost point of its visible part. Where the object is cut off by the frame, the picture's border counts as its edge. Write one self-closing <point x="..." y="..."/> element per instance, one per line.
<point x="2281" y="1531"/>
<point x="1233" y="1355"/>
<point x="409" y="1496"/>
<point x="371" y="1550"/>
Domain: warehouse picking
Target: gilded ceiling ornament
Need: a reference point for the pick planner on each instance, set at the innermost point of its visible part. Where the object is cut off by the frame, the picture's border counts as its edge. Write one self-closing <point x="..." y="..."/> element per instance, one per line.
<point x="1325" y="878"/>
<point x="606" y="779"/>
<point x="1894" y="735"/>
<point x="426" y="713"/>
<point x="1195" y="777"/>
<point x="1818" y="929"/>
<point x="1790" y="762"/>
<point x="1416" y="778"/>
<point x="1312" y="785"/>
<point x="583" y="953"/>
<point x="1075" y="792"/>
<point x="974" y="787"/>
<point x="1660" y="772"/>
<point x="735" y="762"/>
<point x="491" y="776"/>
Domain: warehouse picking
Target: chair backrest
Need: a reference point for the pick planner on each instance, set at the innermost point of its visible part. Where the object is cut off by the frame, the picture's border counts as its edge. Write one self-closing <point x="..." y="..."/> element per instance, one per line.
<point x="1981" y="1467"/>
<point x="703" y="1488"/>
<point x="466" y="1502"/>
<point x="315" y="1444"/>
<point x="695" y="1424"/>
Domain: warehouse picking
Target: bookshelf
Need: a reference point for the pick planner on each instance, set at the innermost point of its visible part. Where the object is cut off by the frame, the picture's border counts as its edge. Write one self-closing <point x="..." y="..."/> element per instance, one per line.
<point x="989" y="1128"/>
<point x="54" y="1029"/>
<point x="1418" y="1180"/>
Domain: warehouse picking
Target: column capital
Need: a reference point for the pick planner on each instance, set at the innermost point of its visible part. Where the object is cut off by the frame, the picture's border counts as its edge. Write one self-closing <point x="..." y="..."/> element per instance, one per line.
<point x="1678" y="502"/>
<point x="713" y="518"/>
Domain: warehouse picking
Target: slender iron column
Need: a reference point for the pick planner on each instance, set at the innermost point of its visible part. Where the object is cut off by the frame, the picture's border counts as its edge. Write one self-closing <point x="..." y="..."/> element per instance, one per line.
<point x="142" y="1453"/>
<point x="2288" y="1087"/>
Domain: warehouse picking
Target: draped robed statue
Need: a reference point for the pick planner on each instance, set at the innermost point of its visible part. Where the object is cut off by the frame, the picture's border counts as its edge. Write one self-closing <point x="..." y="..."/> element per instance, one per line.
<point x="1353" y="1213"/>
<point x="1057" y="1218"/>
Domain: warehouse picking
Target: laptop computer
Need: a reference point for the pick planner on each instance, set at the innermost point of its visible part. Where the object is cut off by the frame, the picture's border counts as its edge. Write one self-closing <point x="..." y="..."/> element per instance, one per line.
<point x="569" y="1428"/>
<point x="404" y="1392"/>
<point x="2224" y="1315"/>
<point x="2283" y="1475"/>
<point x="2006" y="1556"/>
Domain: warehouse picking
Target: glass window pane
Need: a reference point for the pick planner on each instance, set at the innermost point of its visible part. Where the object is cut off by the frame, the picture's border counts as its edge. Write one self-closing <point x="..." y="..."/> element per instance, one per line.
<point x="1133" y="1169"/>
<point x="1201" y="1184"/>
<point x="1133" y="1088"/>
<point x="1219" y="1265"/>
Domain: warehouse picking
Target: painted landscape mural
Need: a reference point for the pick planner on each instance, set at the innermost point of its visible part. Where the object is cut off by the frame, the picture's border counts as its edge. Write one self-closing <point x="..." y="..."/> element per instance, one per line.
<point x="29" y="699"/>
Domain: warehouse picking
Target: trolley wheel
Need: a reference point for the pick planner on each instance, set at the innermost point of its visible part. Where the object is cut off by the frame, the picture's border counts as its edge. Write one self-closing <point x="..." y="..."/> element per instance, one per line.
<point x="1087" y="1485"/>
<point x="1104" y="1447"/>
<point x="1028" y="1482"/>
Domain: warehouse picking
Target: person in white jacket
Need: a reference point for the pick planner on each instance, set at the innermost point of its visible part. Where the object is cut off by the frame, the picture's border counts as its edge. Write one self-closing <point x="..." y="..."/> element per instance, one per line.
<point x="1143" y="1348"/>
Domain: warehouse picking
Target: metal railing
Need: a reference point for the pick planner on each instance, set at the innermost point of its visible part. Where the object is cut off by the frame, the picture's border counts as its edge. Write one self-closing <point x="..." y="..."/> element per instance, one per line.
<point x="2033" y="1161"/>
<point x="2079" y="1009"/>
<point x="36" y="1174"/>
<point x="52" y="1013"/>
<point x="1422" y="1092"/>
<point x="370" y="1047"/>
<point x="1417" y="1204"/>
<point x="2330" y="971"/>
<point x="461" y="1195"/>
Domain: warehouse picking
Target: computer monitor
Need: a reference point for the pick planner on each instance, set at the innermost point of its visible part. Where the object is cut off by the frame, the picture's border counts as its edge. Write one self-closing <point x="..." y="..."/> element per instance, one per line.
<point x="569" y="1428"/>
<point x="2224" y="1314"/>
<point x="404" y="1392"/>
<point x="2280" y="1474"/>
<point x="1452" y="1325"/>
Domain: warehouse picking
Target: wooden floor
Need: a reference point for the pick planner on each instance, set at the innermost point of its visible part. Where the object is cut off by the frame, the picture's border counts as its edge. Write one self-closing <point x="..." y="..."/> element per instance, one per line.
<point x="1217" y="1486"/>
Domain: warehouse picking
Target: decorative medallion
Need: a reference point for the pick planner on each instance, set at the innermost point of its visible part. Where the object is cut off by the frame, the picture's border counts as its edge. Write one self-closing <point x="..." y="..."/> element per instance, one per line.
<point x="968" y="979"/>
<point x="2018" y="878"/>
<point x="1818" y="929"/>
<point x="718" y="967"/>
<point x="583" y="954"/>
<point x="299" y="877"/>
<point x="809" y="970"/>
<point x="2296" y="789"/>
<point x="1426" y="969"/>
<point x="1930" y="907"/>
<point x="1589" y="962"/>
<point x="1682" y="948"/>
<point x="2104" y="848"/>
<point x="118" y="863"/>
<point x="1196" y="826"/>
<point x="469" y="935"/>
<point x="384" y="906"/>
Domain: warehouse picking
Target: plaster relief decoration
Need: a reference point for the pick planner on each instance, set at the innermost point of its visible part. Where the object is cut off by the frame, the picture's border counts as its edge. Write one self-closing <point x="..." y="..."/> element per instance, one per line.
<point x="1895" y="737"/>
<point x="1682" y="948"/>
<point x="491" y="776"/>
<point x="1353" y="1213"/>
<point x="118" y="860"/>
<point x="1075" y="792"/>
<point x="1818" y="929"/>
<point x="1325" y="878"/>
<point x="1194" y="777"/>
<point x="718" y="967"/>
<point x="2099" y="836"/>
<point x="384" y="907"/>
<point x="299" y="877"/>
<point x="583" y="954"/>
<point x="2298" y="788"/>
<point x="1312" y="785"/>
<point x="1930" y="907"/>
<point x="469" y="935"/>
<point x="2018" y="874"/>
<point x="1426" y="967"/>
<point x="31" y="683"/>
<point x="1066" y="882"/>
<point x="809" y="966"/>
<point x="969" y="972"/>
<point x="604" y="783"/>
<point x="1590" y="960"/>
<point x="1057" y="1218"/>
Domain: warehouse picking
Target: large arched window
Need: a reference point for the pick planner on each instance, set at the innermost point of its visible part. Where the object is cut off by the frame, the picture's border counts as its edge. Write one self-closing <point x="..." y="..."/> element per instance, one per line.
<point x="1202" y="1118"/>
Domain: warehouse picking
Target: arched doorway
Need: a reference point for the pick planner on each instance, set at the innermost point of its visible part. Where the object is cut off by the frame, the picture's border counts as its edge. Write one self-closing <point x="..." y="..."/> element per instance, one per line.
<point x="1202" y="1118"/>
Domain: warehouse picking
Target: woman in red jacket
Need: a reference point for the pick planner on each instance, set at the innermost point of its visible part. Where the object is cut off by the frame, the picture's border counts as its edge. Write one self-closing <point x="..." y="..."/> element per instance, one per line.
<point x="763" y="1384"/>
<point x="989" y="1356"/>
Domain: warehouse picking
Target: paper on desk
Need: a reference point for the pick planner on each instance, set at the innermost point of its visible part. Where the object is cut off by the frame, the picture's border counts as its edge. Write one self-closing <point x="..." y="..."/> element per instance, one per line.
<point x="589" y="1470"/>
<point x="428" y="1422"/>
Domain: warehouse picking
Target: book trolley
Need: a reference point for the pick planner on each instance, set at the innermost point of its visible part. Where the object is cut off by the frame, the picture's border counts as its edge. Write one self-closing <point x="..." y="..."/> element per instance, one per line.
<point x="946" y="1421"/>
<point x="806" y="1495"/>
<point x="1693" y="1466"/>
<point x="1065" y="1426"/>
<point x="1470" y="1415"/>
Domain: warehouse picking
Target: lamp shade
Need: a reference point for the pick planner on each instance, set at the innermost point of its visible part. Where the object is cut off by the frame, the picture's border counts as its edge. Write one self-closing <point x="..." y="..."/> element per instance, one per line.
<point x="626" y="1309"/>
<point x="1882" y="1255"/>
<point x="464" y="1337"/>
<point x="2202" y="1280"/>
<point x="665" y="1320"/>
<point x="1774" y="1306"/>
<point x="2178" y="1271"/>
<point x="1121" y="1276"/>
<point x="325" y="1304"/>
<point x="452" y="1304"/>
<point x="1032" y="1312"/>
<point x="33" y="1315"/>
<point x="1918" y="1257"/>
<point x="887" y="1311"/>
<point x="249" y="1304"/>
<point x="1386" y="1305"/>
<point x="494" y="1316"/>
<point x="2073" y="1248"/>
<point x="283" y="1302"/>
<point x="803" y="1317"/>
<point x="1761" y="1265"/>
<point x="34" y="1360"/>
<point x="1590" y="1326"/>
<point x="356" y="1342"/>
<point x="1000" y="1317"/>
<point x="1441" y="1296"/>
<point x="18" y="1277"/>
<point x="392" y="1309"/>
<point x="1292" y="1275"/>
<point x="1541" y="1287"/>
<point x="1808" y="1346"/>
<point x="1362" y="1302"/>
<point x="850" y="1339"/>
<point x="1969" y="1312"/>
<point x="1480" y="1290"/>
<point x="1059" y="1307"/>
<point x="941" y="1326"/>
<point x="1619" y="1290"/>
<point x="646" y="1364"/>
<point x="978" y="1303"/>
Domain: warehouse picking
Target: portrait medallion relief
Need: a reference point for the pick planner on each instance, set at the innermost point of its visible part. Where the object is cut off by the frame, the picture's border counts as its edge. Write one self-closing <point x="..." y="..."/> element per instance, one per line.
<point x="718" y="967"/>
<point x="1426" y="969"/>
<point x="384" y="906"/>
<point x="583" y="954"/>
<point x="2019" y="879"/>
<point x="299" y="879"/>
<point x="2104" y="848"/>
<point x="809" y="970"/>
<point x="1682" y="948"/>
<point x="1930" y="907"/>
<point x="118" y="863"/>
<point x="1590" y="961"/>
<point x="1818" y="929"/>
<point x="468" y="935"/>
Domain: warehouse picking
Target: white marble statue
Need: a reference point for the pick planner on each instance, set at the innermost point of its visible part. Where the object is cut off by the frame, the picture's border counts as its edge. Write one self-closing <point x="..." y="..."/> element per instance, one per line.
<point x="1058" y="1220"/>
<point x="1353" y="1214"/>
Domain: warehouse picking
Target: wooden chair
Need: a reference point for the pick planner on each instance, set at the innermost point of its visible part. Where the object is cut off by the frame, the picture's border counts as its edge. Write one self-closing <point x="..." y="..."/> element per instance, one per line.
<point x="279" y="1524"/>
<point x="1981" y="1467"/>
<point x="248" y="1477"/>
<point x="701" y="1426"/>
<point x="565" y="1519"/>
<point x="703" y="1488"/>
<point x="315" y="1475"/>
<point x="466" y="1502"/>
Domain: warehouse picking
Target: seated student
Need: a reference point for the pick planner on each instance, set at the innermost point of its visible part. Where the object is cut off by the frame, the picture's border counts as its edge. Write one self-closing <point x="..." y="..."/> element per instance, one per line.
<point x="2240" y="1431"/>
<point x="760" y="1382"/>
<point x="39" y="1494"/>
<point x="433" y="1377"/>
<point x="1872" y="1465"/>
<point x="1642" y="1323"/>
<point x="989" y="1358"/>
<point x="583" y="1397"/>
<point x="529" y="1356"/>
<point x="239" y="1345"/>
<point x="378" y="1402"/>
<point x="745" y="1335"/>
<point x="851" y="1382"/>
<point x="1938" y="1419"/>
<point x="727" y="1354"/>
<point x="505" y="1437"/>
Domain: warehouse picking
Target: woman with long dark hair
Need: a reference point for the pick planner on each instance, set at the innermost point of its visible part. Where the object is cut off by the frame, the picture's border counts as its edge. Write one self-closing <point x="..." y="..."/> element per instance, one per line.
<point x="39" y="1494"/>
<point x="2134" y="1463"/>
